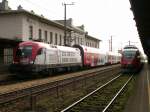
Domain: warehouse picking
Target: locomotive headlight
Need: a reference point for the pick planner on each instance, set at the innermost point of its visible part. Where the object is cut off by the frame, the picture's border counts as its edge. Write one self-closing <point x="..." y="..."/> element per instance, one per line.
<point x="31" y="62"/>
<point x="15" y="62"/>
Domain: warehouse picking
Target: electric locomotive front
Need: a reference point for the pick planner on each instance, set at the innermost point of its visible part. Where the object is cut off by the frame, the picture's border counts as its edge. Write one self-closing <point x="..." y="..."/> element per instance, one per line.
<point x="24" y="57"/>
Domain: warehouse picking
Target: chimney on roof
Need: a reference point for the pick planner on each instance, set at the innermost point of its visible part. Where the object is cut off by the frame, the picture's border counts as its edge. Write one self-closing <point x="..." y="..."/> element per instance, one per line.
<point x="4" y="5"/>
<point x="81" y="27"/>
<point x="42" y="15"/>
<point x="20" y="7"/>
<point x="69" y="22"/>
<point x="32" y="12"/>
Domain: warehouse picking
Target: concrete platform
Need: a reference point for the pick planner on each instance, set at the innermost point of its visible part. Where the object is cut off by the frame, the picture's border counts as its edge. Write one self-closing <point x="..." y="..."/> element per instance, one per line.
<point x="139" y="101"/>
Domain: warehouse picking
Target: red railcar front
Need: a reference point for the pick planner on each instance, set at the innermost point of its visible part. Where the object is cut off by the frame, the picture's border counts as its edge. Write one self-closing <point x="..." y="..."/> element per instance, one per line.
<point x="131" y="60"/>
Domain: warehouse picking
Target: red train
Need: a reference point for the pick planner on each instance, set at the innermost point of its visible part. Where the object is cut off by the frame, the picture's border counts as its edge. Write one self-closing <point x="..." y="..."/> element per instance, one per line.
<point x="131" y="60"/>
<point x="37" y="57"/>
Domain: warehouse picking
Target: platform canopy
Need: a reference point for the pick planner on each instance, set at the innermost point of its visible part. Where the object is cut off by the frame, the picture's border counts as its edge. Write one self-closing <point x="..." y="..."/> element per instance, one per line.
<point x="6" y="43"/>
<point x="141" y="12"/>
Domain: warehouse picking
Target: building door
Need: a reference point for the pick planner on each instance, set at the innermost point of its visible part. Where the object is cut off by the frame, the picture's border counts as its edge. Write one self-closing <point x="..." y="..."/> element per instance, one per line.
<point x="1" y="56"/>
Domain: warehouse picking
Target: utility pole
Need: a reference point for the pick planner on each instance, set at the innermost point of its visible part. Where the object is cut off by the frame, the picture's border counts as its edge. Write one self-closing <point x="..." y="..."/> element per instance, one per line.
<point x="65" y="23"/>
<point x="111" y="44"/>
<point x="129" y="43"/>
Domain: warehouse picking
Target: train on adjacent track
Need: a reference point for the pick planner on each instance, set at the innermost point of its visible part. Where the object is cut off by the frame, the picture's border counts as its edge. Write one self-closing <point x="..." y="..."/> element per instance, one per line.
<point x="39" y="57"/>
<point x="131" y="60"/>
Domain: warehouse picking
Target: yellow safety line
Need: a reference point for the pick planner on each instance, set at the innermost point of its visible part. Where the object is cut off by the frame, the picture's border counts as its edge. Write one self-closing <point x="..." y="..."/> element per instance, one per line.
<point x="148" y="83"/>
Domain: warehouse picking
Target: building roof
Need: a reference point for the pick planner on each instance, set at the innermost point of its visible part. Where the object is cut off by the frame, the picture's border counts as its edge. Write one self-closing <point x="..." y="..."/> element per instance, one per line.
<point x="45" y="20"/>
<point x="69" y="24"/>
<point x="79" y="29"/>
<point x="31" y="14"/>
<point x="93" y="38"/>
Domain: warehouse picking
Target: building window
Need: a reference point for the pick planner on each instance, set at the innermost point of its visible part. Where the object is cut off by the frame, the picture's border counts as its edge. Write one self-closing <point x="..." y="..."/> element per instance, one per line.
<point x="75" y="40"/>
<point x="60" y="40"/>
<point x="51" y="37"/>
<point x="46" y="36"/>
<point x="55" y="38"/>
<point x="78" y="40"/>
<point x="40" y="34"/>
<point x="81" y="41"/>
<point x="30" y="32"/>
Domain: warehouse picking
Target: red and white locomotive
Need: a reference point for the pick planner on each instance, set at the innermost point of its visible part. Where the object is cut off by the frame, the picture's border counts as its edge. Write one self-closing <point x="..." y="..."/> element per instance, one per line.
<point x="37" y="57"/>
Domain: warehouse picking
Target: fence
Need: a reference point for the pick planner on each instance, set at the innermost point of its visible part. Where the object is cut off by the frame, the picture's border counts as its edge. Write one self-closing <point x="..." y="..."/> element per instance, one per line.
<point x="54" y="94"/>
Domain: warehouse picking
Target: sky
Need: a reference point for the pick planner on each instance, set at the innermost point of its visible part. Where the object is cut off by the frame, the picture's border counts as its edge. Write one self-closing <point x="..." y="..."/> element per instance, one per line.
<point x="101" y="18"/>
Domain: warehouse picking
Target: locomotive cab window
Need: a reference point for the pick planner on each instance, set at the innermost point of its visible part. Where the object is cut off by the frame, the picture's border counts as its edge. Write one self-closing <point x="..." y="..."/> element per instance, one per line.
<point x="24" y="51"/>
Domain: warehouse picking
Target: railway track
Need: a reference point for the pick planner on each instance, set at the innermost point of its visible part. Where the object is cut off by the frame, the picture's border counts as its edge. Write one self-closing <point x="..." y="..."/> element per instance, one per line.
<point x="101" y="98"/>
<point x="8" y="79"/>
<point x="54" y="86"/>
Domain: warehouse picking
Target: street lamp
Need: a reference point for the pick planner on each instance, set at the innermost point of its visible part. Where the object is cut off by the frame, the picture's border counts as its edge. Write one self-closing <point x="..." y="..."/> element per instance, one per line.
<point x="65" y="25"/>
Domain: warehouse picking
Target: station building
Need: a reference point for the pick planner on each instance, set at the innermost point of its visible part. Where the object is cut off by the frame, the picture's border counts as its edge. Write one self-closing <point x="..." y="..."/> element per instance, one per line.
<point x="80" y="36"/>
<point x="21" y="25"/>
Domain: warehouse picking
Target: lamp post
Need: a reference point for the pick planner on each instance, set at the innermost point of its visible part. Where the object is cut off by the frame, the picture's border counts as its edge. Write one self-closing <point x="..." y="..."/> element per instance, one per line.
<point x="65" y="23"/>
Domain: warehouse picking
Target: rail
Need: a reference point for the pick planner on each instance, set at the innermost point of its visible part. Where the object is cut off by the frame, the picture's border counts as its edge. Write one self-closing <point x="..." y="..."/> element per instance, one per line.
<point x="113" y="99"/>
<point x="91" y="93"/>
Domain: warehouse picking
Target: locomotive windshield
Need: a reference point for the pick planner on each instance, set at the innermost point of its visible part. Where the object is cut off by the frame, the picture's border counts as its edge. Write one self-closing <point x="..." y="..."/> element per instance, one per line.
<point x="129" y="54"/>
<point x="24" y="51"/>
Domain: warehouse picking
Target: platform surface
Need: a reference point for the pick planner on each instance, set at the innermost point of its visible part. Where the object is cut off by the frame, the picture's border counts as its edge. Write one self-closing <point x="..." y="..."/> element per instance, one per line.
<point x="139" y="101"/>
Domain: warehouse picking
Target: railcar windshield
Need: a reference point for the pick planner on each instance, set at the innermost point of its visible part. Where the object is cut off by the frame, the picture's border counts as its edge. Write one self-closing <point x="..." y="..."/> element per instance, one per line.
<point x="24" y="51"/>
<point x="129" y="54"/>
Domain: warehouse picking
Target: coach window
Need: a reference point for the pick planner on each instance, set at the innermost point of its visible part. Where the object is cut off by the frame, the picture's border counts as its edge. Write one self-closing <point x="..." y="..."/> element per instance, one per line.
<point x="30" y="32"/>
<point x="62" y="53"/>
<point x="68" y="54"/>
